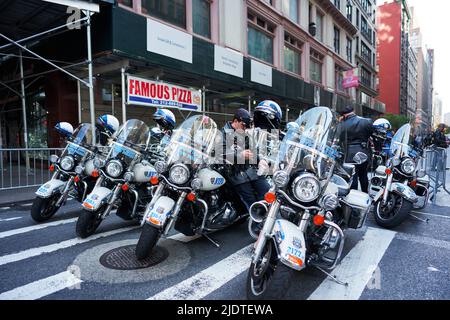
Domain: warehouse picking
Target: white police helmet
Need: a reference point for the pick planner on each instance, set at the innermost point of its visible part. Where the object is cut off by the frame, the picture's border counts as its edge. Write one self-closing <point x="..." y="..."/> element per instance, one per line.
<point x="109" y="122"/>
<point x="165" y="118"/>
<point x="64" y="128"/>
<point x="267" y="115"/>
<point x="382" y="125"/>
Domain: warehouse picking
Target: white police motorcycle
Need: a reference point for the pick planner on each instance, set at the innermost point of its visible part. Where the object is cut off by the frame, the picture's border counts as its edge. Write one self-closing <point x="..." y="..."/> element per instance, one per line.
<point x="72" y="172"/>
<point x="123" y="180"/>
<point x="308" y="208"/>
<point x="192" y="195"/>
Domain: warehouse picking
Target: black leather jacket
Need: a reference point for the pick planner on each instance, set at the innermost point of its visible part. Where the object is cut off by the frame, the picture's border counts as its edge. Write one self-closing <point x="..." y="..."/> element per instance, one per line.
<point x="237" y="173"/>
<point x="355" y="134"/>
<point x="439" y="139"/>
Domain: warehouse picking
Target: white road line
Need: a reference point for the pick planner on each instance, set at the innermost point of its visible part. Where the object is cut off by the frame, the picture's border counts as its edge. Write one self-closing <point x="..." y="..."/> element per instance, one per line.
<point x="183" y="238"/>
<point x="5" y="208"/>
<point x="210" y="279"/>
<point x="431" y="214"/>
<point x="43" y="287"/>
<point x="424" y="240"/>
<point x="356" y="268"/>
<point x="14" y="232"/>
<point x="57" y="246"/>
<point x="10" y="219"/>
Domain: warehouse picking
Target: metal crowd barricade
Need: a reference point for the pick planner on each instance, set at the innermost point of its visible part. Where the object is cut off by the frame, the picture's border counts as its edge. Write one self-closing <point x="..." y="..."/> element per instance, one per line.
<point x="435" y="165"/>
<point x="22" y="167"/>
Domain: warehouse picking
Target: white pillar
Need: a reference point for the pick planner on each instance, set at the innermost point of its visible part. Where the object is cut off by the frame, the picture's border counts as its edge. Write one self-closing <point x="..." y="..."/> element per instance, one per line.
<point x="91" y="78"/>
<point x="124" y="107"/>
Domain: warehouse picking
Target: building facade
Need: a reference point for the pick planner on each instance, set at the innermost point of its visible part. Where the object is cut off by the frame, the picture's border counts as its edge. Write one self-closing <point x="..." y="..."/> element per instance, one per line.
<point x="237" y="52"/>
<point x="412" y="85"/>
<point x="437" y="110"/>
<point x="393" y="55"/>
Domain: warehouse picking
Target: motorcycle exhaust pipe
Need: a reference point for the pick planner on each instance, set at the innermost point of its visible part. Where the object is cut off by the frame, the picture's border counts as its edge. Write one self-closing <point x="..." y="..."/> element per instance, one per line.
<point x="258" y="211"/>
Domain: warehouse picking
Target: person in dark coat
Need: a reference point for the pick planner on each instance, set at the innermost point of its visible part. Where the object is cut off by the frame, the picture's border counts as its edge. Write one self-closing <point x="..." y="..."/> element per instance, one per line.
<point x="439" y="138"/>
<point x="355" y="133"/>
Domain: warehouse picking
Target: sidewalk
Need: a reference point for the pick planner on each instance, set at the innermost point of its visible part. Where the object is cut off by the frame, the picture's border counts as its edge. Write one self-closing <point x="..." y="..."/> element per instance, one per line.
<point x="17" y="196"/>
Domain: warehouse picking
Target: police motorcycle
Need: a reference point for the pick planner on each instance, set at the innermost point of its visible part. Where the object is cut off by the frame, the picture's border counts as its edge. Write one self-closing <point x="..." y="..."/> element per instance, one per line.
<point x="308" y="207"/>
<point x="399" y="185"/>
<point x="192" y="195"/>
<point x="123" y="179"/>
<point x="71" y="172"/>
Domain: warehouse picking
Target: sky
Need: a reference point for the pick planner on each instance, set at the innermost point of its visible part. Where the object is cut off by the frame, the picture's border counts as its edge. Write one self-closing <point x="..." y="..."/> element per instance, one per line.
<point x="434" y="21"/>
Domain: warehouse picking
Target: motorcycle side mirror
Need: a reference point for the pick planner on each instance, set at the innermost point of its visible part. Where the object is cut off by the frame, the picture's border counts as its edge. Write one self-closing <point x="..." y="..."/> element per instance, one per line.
<point x="421" y="173"/>
<point x="360" y="158"/>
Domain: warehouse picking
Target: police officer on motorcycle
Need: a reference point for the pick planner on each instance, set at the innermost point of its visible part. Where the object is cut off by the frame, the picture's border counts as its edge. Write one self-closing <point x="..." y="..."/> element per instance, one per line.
<point x="244" y="175"/>
<point x="106" y="126"/>
<point x="355" y="132"/>
<point x="166" y="122"/>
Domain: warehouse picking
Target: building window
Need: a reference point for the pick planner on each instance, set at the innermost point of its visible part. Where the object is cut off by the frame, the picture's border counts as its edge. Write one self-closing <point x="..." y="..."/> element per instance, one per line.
<point x="349" y="11"/>
<point x="339" y="78"/>
<point x="292" y="54"/>
<point x="268" y="1"/>
<point x="366" y="77"/>
<point x="315" y="66"/>
<point x="337" y="40"/>
<point x="366" y="53"/>
<point x="172" y="11"/>
<point x="357" y="18"/>
<point x="290" y="7"/>
<point x="128" y="3"/>
<point x="319" y="26"/>
<point x="349" y="50"/>
<point x="337" y="4"/>
<point x="260" y="38"/>
<point x="201" y="17"/>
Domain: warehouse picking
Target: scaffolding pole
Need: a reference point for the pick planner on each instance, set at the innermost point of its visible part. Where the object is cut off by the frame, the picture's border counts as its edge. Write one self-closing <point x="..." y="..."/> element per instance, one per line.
<point x="91" y="78"/>
<point x="124" y="110"/>
<point x="24" y="114"/>
<point x="79" y="101"/>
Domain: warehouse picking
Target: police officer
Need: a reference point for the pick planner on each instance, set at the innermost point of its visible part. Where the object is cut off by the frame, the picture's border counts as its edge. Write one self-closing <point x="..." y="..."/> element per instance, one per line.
<point x="439" y="139"/>
<point x="243" y="173"/>
<point x="355" y="133"/>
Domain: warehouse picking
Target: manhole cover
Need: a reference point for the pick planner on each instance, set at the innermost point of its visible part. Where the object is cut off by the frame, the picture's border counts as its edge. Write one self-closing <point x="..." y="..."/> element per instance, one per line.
<point x="124" y="258"/>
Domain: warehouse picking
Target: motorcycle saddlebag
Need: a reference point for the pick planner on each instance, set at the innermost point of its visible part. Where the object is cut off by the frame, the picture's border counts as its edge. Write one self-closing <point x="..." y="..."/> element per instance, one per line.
<point x="356" y="206"/>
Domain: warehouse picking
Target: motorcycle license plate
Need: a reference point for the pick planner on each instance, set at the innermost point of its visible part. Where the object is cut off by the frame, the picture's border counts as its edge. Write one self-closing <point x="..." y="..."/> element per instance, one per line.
<point x="378" y="196"/>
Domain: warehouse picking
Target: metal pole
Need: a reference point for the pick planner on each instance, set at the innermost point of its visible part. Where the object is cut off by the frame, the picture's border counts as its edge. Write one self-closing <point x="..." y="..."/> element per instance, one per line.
<point x="112" y="99"/>
<point x="249" y="104"/>
<point x="79" y="101"/>
<point x="24" y="115"/>
<point x="91" y="79"/>
<point x="124" y="108"/>
<point x="203" y="101"/>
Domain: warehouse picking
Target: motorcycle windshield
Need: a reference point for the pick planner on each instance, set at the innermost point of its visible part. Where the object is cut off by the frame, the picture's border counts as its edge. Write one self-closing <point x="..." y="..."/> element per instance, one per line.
<point x="132" y="137"/>
<point x="79" y="142"/>
<point x="311" y="144"/>
<point x="193" y="142"/>
<point x="400" y="146"/>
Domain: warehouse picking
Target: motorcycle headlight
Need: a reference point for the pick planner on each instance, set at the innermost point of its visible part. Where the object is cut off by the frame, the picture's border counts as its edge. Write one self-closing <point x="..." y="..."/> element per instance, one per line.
<point x="160" y="166"/>
<point x="280" y="178"/>
<point x="179" y="174"/>
<point x="129" y="176"/>
<point x="114" y="168"/>
<point x="306" y="188"/>
<point x="79" y="169"/>
<point x="196" y="184"/>
<point x="408" y="166"/>
<point x="329" y="202"/>
<point x="54" y="158"/>
<point x="99" y="163"/>
<point x="67" y="163"/>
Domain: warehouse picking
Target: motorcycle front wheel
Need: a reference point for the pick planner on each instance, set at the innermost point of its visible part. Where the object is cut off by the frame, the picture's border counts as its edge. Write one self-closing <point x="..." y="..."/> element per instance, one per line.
<point x="147" y="241"/>
<point x="393" y="213"/>
<point x="268" y="279"/>
<point x="44" y="208"/>
<point x="88" y="223"/>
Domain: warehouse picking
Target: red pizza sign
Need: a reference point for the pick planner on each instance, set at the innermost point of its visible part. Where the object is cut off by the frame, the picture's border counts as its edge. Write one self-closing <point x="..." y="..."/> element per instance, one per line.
<point x="159" y="94"/>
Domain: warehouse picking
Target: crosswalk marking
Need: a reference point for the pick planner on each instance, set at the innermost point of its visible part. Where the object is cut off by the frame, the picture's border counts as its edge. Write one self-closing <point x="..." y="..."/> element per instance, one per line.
<point x="210" y="279"/>
<point x="183" y="238"/>
<point x="356" y="268"/>
<point x="431" y="214"/>
<point x="14" y="232"/>
<point x="10" y="219"/>
<point x="57" y="246"/>
<point x="42" y="288"/>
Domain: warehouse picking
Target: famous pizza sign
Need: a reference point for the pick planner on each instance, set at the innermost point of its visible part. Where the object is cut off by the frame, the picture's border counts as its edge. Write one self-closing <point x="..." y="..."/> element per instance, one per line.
<point x="159" y="94"/>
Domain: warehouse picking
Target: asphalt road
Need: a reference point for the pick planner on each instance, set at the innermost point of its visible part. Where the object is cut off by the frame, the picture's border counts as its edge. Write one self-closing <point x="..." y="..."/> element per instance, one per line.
<point x="48" y="261"/>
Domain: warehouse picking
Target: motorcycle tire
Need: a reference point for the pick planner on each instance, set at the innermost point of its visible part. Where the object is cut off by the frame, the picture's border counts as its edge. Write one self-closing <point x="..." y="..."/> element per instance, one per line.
<point x="44" y="208"/>
<point x="87" y="223"/>
<point x="147" y="241"/>
<point x="277" y="284"/>
<point x="402" y="213"/>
